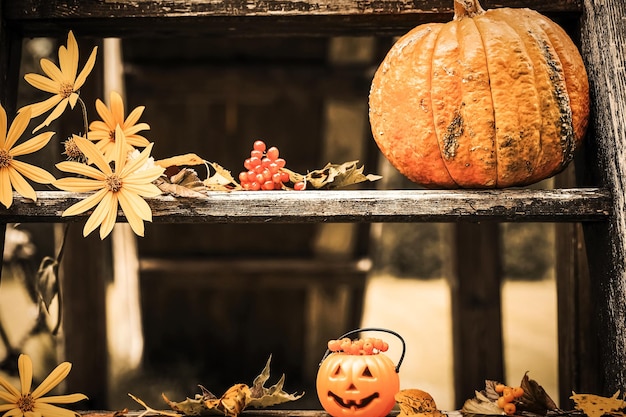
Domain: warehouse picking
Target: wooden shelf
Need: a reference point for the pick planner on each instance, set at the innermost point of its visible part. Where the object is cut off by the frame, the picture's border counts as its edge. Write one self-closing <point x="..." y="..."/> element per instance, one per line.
<point x="233" y="17"/>
<point x="515" y="205"/>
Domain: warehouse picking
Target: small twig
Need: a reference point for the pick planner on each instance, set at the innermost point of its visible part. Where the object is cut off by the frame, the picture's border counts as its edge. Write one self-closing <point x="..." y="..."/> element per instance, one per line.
<point x="151" y="411"/>
<point x="58" y="259"/>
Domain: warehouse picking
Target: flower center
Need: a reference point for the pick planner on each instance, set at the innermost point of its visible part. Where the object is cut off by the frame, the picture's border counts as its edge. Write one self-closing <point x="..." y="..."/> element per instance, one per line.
<point x="26" y="403"/>
<point x="72" y="151"/>
<point x="114" y="183"/>
<point x="5" y="158"/>
<point x="66" y="90"/>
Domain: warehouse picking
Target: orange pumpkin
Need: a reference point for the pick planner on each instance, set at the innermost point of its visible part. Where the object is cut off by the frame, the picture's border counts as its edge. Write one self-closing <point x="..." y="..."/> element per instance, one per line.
<point x="357" y="385"/>
<point x="492" y="99"/>
<point x="355" y="381"/>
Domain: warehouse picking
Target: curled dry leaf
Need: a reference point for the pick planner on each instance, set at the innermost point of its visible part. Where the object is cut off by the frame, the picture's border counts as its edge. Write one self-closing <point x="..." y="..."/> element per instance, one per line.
<point x="597" y="406"/>
<point x="418" y="403"/>
<point x="221" y="180"/>
<point x="236" y="399"/>
<point x="334" y="176"/>
<point x="189" y="159"/>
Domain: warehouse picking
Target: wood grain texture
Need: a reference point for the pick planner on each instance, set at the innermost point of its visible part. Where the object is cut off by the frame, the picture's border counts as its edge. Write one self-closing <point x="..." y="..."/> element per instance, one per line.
<point x="560" y="205"/>
<point x="603" y="35"/>
<point x="236" y="17"/>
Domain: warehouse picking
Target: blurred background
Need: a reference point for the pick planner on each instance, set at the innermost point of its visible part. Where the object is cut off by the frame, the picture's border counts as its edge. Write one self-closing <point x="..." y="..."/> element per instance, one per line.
<point x="208" y="303"/>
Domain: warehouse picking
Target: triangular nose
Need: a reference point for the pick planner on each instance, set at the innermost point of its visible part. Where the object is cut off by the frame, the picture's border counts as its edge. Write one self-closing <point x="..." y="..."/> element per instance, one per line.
<point x="351" y="388"/>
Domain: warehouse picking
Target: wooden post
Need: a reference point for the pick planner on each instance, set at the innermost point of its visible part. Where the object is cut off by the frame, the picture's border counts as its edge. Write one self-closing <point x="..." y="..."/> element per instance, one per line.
<point x="476" y="313"/>
<point x="603" y="34"/>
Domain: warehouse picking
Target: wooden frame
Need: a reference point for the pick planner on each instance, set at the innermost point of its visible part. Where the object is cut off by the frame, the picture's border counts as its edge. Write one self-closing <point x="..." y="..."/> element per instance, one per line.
<point x="601" y="210"/>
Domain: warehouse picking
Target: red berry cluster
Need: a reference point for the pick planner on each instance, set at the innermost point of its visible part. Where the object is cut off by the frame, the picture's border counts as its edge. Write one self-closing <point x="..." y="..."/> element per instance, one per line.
<point x="264" y="170"/>
<point x="507" y="396"/>
<point x="366" y="346"/>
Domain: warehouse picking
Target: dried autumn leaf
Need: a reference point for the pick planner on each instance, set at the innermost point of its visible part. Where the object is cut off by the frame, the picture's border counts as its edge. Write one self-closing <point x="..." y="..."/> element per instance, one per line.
<point x="266" y="397"/>
<point x="597" y="406"/>
<point x="180" y="160"/>
<point x="334" y="176"/>
<point x="480" y="404"/>
<point x="222" y="180"/>
<point x="236" y="398"/>
<point x="184" y="183"/>
<point x="535" y="399"/>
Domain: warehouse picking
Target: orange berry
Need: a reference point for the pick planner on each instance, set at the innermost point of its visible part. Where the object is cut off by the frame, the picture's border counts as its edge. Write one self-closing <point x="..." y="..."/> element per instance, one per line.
<point x="500" y="402"/>
<point x="500" y="387"/>
<point x="509" y="408"/>
<point x="508" y="397"/>
<point x="518" y="392"/>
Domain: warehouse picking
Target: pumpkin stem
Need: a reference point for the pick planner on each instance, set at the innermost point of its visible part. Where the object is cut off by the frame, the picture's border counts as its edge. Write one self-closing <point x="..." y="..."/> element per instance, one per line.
<point x="467" y="8"/>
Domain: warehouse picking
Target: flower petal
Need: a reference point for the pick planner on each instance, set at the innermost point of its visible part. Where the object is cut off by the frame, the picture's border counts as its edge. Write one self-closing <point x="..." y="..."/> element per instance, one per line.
<point x="19" y="125"/>
<point x="78" y="185"/>
<point x="144" y="176"/>
<point x="10" y="388"/>
<point x="22" y="187"/>
<point x="3" y="126"/>
<point x="33" y="172"/>
<point x="131" y="130"/>
<point x="13" y="412"/>
<point x="134" y="205"/>
<point x="85" y="204"/>
<point x="49" y="410"/>
<point x="68" y="58"/>
<point x="8" y="398"/>
<point x="117" y="108"/>
<point x="40" y="108"/>
<point x="11" y="405"/>
<point x="110" y="218"/>
<point x="58" y="110"/>
<point x="25" y="367"/>
<point x="137" y="163"/>
<point x="134" y="116"/>
<point x="120" y="154"/>
<point x="56" y="376"/>
<point x="143" y="190"/>
<point x="81" y="169"/>
<point x="43" y="83"/>
<point x="62" y="399"/>
<point x="100" y="212"/>
<point x="6" y="197"/>
<point x="51" y="71"/>
<point x="82" y="77"/>
<point x="108" y="121"/>
<point x="93" y="154"/>
<point x="32" y="145"/>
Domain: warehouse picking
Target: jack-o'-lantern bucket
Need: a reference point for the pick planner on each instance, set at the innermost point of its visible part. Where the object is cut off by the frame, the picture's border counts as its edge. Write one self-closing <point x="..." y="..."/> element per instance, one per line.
<point x="356" y="378"/>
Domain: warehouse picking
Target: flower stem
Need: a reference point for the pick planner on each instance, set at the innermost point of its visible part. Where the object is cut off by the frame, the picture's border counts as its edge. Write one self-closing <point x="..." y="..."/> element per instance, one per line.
<point x="84" y="108"/>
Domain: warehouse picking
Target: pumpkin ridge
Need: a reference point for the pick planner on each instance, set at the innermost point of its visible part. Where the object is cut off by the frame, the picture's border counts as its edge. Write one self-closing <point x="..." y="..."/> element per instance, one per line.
<point x="549" y="154"/>
<point x="447" y="147"/>
<point x="574" y="74"/>
<point x="515" y="99"/>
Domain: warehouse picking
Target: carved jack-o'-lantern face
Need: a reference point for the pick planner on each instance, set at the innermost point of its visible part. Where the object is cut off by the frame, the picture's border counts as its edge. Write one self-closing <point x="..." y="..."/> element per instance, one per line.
<point x="357" y="385"/>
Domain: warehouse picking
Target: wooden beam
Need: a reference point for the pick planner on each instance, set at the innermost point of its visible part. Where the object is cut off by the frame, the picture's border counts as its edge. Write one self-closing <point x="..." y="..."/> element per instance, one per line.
<point x="237" y="18"/>
<point x="558" y="205"/>
<point x="603" y="35"/>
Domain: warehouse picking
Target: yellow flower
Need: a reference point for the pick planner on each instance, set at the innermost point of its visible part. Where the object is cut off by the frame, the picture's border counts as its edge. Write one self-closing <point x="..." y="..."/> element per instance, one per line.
<point x="130" y="181"/>
<point x="12" y="171"/>
<point x="27" y="403"/>
<point x="61" y="81"/>
<point x="103" y="131"/>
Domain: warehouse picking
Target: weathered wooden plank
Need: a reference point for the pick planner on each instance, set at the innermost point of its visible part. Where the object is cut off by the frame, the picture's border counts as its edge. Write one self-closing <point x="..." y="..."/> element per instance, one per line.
<point x="475" y="282"/>
<point x="559" y="205"/>
<point x="236" y="17"/>
<point x="603" y="35"/>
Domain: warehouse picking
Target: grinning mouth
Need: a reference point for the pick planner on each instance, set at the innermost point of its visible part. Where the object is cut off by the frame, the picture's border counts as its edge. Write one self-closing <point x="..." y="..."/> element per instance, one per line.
<point x="353" y="403"/>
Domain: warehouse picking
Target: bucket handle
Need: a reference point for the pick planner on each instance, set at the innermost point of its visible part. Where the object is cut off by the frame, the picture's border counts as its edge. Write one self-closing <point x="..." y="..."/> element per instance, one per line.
<point x="373" y="329"/>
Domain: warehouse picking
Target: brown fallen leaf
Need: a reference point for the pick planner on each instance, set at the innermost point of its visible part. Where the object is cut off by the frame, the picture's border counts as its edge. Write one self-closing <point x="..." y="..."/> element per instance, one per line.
<point x="180" y="160"/>
<point x="418" y="403"/>
<point x="597" y="406"/>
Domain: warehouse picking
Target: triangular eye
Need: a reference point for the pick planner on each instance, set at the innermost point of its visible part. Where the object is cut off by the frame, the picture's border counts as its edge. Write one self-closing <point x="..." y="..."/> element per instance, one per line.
<point x="337" y="371"/>
<point x="367" y="373"/>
